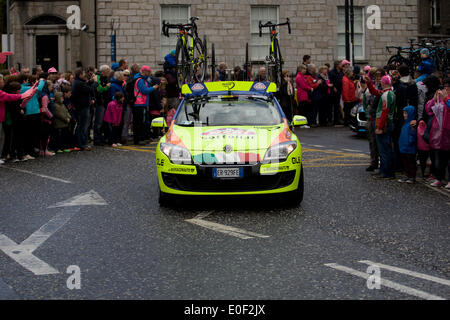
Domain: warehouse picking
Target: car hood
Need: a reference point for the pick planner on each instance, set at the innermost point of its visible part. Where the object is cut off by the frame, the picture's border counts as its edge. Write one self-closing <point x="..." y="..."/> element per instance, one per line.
<point x="234" y="138"/>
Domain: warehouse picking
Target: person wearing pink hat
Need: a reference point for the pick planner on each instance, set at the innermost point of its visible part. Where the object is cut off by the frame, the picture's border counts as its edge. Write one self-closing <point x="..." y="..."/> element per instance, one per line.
<point x="348" y="94"/>
<point x="345" y="64"/>
<point x="52" y="74"/>
<point x="142" y="91"/>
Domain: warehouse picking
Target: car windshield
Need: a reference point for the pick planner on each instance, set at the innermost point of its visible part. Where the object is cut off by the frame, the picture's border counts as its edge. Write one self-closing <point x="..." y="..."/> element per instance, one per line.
<point x="229" y="111"/>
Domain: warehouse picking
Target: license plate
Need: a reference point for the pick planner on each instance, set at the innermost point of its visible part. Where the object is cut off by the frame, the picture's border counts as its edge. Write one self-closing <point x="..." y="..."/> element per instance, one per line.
<point x="228" y="172"/>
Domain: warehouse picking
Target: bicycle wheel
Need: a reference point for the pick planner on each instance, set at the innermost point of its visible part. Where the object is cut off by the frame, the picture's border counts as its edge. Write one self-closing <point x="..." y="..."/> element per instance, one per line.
<point x="397" y="61"/>
<point x="181" y="64"/>
<point x="213" y="63"/>
<point x="278" y="68"/>
<point x="199" y="63"/>
<point x="247" y="63"/>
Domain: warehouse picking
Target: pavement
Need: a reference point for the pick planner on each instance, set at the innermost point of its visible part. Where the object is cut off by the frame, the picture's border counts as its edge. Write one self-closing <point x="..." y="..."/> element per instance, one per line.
<point x="87" y="225"/>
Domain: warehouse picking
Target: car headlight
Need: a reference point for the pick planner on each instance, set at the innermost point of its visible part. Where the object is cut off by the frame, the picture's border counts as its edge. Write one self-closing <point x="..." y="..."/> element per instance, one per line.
<point x="279" y="152"/>
<point x="176" y="154"/>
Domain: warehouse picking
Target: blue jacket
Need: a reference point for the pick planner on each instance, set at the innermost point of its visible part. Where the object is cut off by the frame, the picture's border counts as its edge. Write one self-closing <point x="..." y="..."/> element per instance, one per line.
<point x="115" y="86"/>
<point x="145" y="88"/>
<point x="170" y="59"/>
<point x="427" y="66"/>
<point x="408" y="136"/>
<point x="32" y="106"/>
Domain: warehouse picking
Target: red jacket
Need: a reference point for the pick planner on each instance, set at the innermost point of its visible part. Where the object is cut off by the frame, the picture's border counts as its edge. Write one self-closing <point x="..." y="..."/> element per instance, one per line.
<point x="6" y="97"/>
<point x="310" y="80"/>
<point x="302" y="88"/>
<point x="348" y="90"/>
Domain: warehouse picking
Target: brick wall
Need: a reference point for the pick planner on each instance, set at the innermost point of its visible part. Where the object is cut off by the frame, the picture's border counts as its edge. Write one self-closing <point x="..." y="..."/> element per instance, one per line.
<point x="227" y="24"/>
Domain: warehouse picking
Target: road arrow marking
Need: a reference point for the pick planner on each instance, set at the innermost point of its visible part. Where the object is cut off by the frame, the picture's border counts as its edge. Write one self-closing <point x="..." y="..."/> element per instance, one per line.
<point x="23" y="253"/>
<point x="231" y="231"/>
<point x="90" y="198"/>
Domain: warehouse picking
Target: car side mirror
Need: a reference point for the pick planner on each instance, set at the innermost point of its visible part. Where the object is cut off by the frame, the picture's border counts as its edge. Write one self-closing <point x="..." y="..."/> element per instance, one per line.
<point x="159" y="122"/>
<point x="299" y="121"/>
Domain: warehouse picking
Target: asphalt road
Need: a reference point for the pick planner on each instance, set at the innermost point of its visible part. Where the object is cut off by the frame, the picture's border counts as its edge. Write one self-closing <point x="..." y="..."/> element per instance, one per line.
<point x="127" y="247"/>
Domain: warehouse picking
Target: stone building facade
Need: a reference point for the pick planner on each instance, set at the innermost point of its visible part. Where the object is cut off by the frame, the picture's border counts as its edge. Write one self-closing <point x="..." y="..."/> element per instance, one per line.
<point x="316" y="29"/>
<point x="41" y="35"/>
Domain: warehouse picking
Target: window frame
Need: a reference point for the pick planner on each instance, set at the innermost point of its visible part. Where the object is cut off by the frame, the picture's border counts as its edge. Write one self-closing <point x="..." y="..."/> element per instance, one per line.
<point x="252" y="58"/>
<point x="435" y="19"/>
<point x="363" y="19"/>
<point x="170" y="31"/>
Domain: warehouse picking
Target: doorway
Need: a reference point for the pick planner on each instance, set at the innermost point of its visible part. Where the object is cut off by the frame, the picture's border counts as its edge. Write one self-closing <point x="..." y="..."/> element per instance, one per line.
<point x="47" y="51"/>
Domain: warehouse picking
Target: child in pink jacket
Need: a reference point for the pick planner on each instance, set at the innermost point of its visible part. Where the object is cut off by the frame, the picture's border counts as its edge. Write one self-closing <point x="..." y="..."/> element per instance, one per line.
<point x="113" y="117"/>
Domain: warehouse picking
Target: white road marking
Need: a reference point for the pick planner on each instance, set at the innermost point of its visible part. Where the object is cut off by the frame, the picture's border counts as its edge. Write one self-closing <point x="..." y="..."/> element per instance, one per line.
<point x="25" y="258"/>
<point x="444" y="192"/>
<point x="407" y="272"/>
<point x="317" y="146"/>
<point x="239" y="233"/>
<point x="37" y="174"/>
<point x="23" y="253"/>
<point x="387" y="283"/>
<point x="90" y="198"/>
<point x="232" y="231"/>
<point x="203" y="215"/>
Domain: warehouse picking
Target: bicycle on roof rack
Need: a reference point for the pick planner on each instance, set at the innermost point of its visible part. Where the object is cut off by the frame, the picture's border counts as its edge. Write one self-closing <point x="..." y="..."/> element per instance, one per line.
<point x="247" y="65"/>
<point x="275" y="60"/>
<point x="190" y="52"/>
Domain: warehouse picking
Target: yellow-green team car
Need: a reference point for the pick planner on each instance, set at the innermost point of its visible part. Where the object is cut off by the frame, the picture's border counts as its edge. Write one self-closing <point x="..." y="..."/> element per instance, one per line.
<point x="229" y="138"/>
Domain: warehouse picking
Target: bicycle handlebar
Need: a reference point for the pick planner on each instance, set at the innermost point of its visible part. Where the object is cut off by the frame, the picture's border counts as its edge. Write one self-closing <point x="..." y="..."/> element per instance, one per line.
<point x="185" y="27"/>
<point x="269" y="24"/>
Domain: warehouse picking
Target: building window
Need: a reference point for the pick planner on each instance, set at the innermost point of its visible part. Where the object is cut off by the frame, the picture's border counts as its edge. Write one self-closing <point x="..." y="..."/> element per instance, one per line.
<point x="435" y="13"/>
<point x="259" y="46"/>
<point x="173" y="14"/>
<point x="358" y="31"/>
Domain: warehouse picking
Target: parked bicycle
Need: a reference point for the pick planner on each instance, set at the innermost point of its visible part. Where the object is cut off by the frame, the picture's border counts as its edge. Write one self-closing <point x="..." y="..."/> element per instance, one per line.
<point x="275" y="60"/>
<point x="190" y="53"/>
<point x="412" y="59"/>
<point x="438" y="51"/>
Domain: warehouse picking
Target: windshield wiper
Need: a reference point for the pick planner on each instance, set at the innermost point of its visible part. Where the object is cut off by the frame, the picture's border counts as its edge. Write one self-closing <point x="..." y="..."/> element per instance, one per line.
<point x="265" y="99"/>
<point x="197" y="103"/>
<point x="190" y="123"/>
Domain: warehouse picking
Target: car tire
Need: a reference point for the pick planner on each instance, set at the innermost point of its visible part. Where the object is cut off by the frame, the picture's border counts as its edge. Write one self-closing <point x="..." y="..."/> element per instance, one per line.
<point x="295" y="198"/>
<point x="164" y="199"/>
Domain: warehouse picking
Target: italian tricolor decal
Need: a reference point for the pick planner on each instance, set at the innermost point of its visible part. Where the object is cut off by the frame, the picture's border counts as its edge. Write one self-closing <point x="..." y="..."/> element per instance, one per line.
<point x="222" y="157"/>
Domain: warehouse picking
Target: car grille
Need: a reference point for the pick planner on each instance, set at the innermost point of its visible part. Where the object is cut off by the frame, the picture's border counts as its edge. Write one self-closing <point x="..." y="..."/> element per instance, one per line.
<point x="206" y="183"/>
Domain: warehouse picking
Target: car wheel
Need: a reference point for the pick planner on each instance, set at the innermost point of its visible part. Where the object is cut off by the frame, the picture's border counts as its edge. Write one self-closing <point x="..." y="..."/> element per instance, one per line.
<point x="164" y="199"/>
<point x="295" y="198"/>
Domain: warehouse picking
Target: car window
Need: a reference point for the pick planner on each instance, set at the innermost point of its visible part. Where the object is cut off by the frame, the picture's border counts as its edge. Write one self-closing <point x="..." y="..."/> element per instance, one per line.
<point x="243" y="111"/>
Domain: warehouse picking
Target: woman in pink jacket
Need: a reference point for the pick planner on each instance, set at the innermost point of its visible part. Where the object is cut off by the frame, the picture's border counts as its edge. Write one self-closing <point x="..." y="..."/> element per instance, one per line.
<point x="303" y="88"/>
<point x="439" y="137"/>
<point x="6" y="97"/>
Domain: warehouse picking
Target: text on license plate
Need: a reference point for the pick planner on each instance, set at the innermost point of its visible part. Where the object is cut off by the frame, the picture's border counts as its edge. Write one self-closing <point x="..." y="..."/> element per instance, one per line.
<point x="228" y="172"/>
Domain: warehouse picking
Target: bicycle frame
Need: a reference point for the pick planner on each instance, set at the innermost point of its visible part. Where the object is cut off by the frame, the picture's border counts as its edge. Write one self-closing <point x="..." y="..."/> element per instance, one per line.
<point x="274" y="46"/>
<point x="187" y="42"/>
